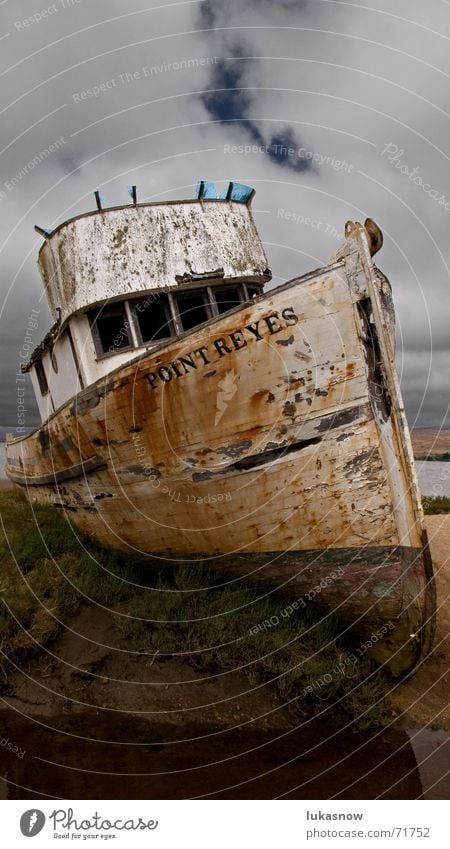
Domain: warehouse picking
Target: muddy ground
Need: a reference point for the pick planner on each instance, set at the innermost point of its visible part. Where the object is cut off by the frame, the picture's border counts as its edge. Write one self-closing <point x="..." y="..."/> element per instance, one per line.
<point x="96" y="723"/>
<point x="92" y="721"/>
<point x="424" y="698"/>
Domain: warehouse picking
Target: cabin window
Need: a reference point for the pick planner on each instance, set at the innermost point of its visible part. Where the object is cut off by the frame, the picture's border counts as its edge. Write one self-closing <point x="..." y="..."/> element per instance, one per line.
<point x="123" y="325"/>
<point x="153" y="318"/>
<point x="110" y="329"/>
<point x="227" y="298"/>
<point x="41" y="377"/>
<point x="253" y="289"/>
<point x="193" y="308"/>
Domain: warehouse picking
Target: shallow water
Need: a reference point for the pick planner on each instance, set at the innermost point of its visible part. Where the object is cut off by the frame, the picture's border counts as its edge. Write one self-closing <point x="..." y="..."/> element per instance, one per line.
<point x="431" y="747"/>
<point x="434" y="477"/>
<point x="143" y="761"/>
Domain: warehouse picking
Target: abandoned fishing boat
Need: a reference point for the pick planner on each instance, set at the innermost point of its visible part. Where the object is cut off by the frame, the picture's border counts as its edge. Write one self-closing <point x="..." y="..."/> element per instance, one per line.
<point x="186" y="413"/>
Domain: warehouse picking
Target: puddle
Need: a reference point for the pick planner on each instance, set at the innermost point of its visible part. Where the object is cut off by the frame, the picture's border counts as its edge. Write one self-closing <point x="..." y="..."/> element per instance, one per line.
<point x="133" y="757"/>
<point x="431" y="748"/>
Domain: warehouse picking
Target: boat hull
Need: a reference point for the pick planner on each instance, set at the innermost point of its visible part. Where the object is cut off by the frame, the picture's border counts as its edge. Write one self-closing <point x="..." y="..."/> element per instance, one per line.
<point x="269" y="442"/>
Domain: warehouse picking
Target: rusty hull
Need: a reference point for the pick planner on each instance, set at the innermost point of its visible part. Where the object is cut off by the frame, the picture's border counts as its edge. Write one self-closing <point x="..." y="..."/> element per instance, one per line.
<point x="272" y="442"/>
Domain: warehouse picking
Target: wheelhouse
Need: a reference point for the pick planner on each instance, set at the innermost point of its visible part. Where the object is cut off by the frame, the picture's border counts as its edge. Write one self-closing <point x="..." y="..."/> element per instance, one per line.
<point x="123" y="280"/>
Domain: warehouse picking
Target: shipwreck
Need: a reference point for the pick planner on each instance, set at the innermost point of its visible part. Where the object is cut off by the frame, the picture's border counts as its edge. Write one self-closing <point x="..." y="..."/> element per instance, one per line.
<point x="187" y="413"/>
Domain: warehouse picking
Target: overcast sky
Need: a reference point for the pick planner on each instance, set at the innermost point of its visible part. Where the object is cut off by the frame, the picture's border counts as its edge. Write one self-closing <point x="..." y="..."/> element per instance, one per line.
<point x="162" y="95"/>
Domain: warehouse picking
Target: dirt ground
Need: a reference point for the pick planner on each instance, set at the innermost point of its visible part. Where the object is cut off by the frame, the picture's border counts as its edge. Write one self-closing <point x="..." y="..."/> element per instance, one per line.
<point x="424" y="698"/>
<point x="430" y="440"/>
<point x="90" y="717"/>
<point x="105" y="676"/>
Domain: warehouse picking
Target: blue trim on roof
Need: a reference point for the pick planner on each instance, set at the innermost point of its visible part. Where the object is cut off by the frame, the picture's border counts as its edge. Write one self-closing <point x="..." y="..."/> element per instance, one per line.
<point x="238" y="192"/>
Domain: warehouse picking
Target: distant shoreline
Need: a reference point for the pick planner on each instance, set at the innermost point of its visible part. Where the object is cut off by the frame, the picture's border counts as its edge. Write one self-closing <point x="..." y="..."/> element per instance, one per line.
<point x="440" y="458"/>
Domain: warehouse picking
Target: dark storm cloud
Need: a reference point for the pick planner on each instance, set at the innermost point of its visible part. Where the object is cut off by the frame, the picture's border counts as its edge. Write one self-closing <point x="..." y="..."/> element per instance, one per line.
<point x="208" y="13"/>
<point x="229" y="99"/>
<point x="213" y="11"/>
<point x="230" y="102"/>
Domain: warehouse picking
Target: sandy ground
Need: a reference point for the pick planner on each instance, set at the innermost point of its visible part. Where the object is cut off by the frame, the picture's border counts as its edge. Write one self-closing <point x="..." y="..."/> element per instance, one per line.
<point x="429" y="440"/>
<point x="424" y="698"/>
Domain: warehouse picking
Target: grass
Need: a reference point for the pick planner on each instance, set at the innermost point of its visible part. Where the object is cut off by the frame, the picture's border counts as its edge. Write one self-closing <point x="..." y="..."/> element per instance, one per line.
<point x="46" y="570"/>
<point x="438" y="504"/>
<point x="300" y="651"/>
<point x="49" y="573"/>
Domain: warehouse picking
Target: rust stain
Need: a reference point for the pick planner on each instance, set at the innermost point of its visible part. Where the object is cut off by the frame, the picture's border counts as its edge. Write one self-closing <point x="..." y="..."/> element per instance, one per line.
<point x="289" y="409"/>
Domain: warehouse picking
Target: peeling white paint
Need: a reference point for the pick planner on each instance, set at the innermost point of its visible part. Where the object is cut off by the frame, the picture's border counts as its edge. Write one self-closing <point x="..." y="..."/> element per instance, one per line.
<point x="117" y="252"/>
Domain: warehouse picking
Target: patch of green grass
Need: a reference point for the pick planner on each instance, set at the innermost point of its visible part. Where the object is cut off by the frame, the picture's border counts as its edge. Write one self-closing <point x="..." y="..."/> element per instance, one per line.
<point x="433" y="506"/>
<point x="46" y="570"/>
<point x="49" y="571"/>
<point x="230" y="627"/>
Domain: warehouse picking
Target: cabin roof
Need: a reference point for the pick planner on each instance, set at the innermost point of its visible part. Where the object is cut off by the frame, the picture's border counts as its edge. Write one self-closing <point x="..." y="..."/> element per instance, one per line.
<point x="44" y="345"/>
<point x="205" y="195"/>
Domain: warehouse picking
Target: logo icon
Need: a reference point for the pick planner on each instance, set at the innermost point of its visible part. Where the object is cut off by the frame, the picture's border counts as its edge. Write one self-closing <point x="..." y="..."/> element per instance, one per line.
<point x="32" y="822"/>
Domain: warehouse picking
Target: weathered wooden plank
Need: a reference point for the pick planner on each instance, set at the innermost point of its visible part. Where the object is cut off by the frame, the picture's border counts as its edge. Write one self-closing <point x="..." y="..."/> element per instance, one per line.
<point x="59" y="475"/>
